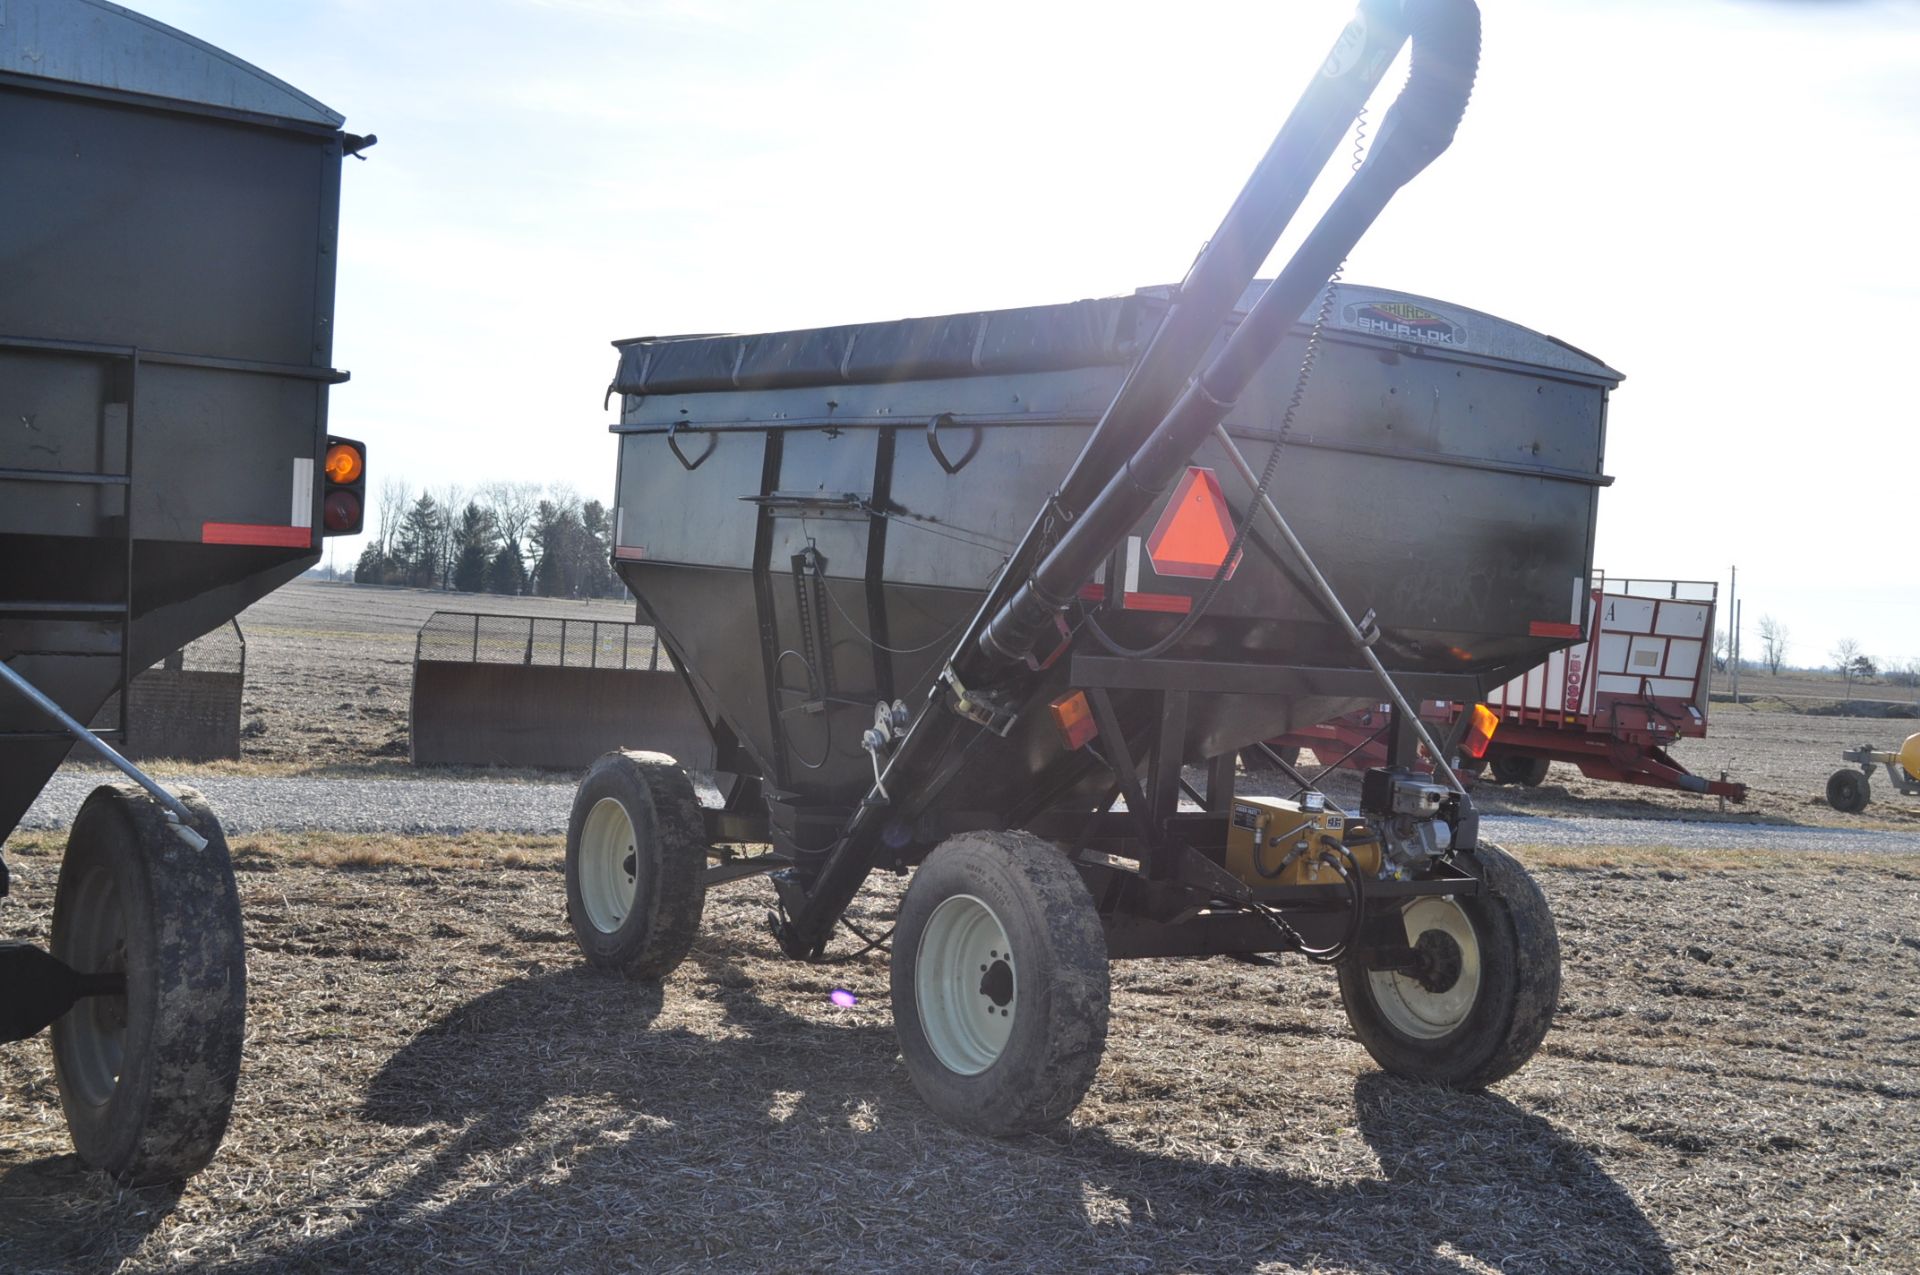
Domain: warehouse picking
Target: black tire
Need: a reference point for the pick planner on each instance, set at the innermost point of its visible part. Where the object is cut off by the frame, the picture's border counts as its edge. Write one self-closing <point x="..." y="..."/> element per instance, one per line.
<point x="1470" y="1042"/>
<point x="147" y="1079"/>
<point x="1051" y="997"/>
<point x="1848" y="791"/>
<point x="636" y="910"/>
<point x="1517" y="768"/>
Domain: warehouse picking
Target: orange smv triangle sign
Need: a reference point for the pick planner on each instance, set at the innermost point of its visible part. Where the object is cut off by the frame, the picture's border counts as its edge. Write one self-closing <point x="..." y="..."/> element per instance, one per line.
<point x="1195" y="530"/>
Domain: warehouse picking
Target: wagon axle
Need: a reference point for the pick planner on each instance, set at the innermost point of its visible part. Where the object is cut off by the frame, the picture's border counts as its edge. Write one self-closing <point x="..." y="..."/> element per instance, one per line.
<point x="37" y="987"/>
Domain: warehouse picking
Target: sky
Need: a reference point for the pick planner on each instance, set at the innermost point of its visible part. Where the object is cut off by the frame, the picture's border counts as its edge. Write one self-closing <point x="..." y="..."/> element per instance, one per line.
<point x="1714" y="196"/>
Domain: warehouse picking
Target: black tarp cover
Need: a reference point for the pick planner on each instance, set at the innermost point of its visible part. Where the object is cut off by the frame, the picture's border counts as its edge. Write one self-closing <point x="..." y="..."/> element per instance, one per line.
<point x="1035" y="338"/>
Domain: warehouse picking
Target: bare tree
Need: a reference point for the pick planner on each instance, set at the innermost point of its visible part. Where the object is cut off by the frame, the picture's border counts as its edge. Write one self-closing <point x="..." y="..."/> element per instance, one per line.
<point x="512" y="506"/>
<point x="1846" y="655"/>
<point x="450" y="497"/>
<point x="1907" y="673"/>
<point x="1722" y="645"/>
<point x="1773" y="643"/>
<point x="396" y="494"/>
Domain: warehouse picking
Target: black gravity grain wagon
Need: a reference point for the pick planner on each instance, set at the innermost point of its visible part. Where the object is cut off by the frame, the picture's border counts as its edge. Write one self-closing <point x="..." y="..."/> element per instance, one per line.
<point x="167" y="242"/>
<point x="986" y="596"/>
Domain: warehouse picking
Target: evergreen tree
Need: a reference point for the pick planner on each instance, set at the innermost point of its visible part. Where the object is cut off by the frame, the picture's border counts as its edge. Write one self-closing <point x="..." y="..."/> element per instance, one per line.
<point x="597" y="578"/>
<point x="373" y="567"/>
<point x="473" y="541"/>
<point x="560" y="544"/>
<point x="507" y="574"/>
<point x="416" y="550"/>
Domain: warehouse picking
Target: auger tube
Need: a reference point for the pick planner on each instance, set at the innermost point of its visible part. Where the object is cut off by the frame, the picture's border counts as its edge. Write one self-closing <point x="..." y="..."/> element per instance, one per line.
<point x="1162" y="386"/>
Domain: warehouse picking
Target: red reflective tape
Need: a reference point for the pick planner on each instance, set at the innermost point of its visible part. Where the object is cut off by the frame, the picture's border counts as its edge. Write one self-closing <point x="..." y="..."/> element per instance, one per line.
<point x="630" y="553"/>
<point x="1548" y="628"/>
<point x="248" y="533"/>
<point x="1093" y="593"/>
<point x="1171" y="602"/>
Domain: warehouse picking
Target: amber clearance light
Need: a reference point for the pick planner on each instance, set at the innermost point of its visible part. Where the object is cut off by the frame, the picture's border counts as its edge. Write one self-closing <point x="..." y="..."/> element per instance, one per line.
<point x="345" y="464"/>
<point x="1485" y="722"/>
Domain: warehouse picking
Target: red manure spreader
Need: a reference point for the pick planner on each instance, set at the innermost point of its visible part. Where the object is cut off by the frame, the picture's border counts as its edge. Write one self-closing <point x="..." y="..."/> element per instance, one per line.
<point x="1613" y="704"/>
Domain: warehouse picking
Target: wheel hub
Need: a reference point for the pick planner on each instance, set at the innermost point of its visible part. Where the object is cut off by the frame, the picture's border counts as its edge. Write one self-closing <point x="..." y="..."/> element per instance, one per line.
<point x="1437" y="961"/>
<point x="966" y="985"/>
<point x="996" y="983"/>
<point x="1434" y="996"/>
<point x="609" y="863"/>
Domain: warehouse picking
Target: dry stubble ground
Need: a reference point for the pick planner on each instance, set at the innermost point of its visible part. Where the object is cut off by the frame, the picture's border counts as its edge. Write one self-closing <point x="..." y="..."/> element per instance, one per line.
<point x="432" y="1080"/>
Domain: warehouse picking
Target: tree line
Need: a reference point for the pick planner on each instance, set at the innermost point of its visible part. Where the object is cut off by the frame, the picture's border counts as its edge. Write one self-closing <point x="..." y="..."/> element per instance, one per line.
<point x="1851" y="662"/>
<point x="504" y="537"/>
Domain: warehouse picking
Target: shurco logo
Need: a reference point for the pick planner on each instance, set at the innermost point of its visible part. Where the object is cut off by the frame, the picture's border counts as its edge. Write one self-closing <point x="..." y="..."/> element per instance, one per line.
<point x="1405" y="322"/>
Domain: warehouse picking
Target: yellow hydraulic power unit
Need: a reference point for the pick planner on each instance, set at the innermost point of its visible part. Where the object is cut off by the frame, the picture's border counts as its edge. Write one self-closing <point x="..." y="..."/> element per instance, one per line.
<point x="1273" y="841"/>
<point x="1848" y="790"/>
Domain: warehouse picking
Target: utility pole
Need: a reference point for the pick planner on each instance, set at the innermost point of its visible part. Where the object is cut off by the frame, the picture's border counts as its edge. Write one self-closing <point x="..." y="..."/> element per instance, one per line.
<point x="1733" y="639"/>
<point x="1736" y="648"/>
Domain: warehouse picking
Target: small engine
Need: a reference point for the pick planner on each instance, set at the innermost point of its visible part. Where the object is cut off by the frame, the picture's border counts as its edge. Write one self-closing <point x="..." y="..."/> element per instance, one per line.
<point x="1406" y="810"/>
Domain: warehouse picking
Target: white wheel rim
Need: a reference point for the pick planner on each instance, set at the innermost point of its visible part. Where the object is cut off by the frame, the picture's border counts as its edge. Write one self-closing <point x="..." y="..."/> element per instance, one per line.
<point x="965" y="985"/>
<point x="1407" y="1005"/>
<point x="96" y="1029"/>
<point x="609" y="862"/>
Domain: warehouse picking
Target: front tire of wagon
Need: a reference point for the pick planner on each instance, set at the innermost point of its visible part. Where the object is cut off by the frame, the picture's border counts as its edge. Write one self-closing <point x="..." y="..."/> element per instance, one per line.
<point x="147" y="1078"/>
<point x="636" y="864"/>
<point x="1000" y="983"/>
<point x="1481" y="1001"/>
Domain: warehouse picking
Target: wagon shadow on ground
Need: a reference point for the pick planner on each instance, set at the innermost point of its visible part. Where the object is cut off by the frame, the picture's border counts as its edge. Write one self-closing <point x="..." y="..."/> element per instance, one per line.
<point x="56" y="1208"/>
<point x="574" y="1121"/>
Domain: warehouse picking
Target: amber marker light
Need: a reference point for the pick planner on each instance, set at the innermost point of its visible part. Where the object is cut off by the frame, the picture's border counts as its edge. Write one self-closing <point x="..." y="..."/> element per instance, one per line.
<point x="1480" y="734"/>
<point x="344" y="464"/>
<point x="1074" y="718"/>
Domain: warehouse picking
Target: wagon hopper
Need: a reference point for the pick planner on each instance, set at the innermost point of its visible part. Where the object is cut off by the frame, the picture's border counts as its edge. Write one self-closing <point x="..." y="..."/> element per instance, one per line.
<point x="965" y="596"/>
<point x="166" y="331"/>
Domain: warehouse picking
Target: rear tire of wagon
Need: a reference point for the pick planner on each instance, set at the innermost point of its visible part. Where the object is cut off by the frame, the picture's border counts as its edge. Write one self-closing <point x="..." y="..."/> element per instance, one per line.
<point x="636" y="864"/>
<point x="147" y="1078"/>
<point x="1481" y="1005"/>
<point x="1000" y="983"/>
<point x="1518" y="768"/>
<point x="1848" y="791"/>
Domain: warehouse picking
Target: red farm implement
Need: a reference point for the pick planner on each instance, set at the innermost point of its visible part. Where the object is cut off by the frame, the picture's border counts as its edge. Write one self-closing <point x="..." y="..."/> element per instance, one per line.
<point x="1611" y="704"/>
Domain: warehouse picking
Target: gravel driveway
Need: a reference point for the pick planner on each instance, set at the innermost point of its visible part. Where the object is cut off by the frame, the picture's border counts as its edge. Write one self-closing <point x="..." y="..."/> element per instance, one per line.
<point x="416" y="806"/>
